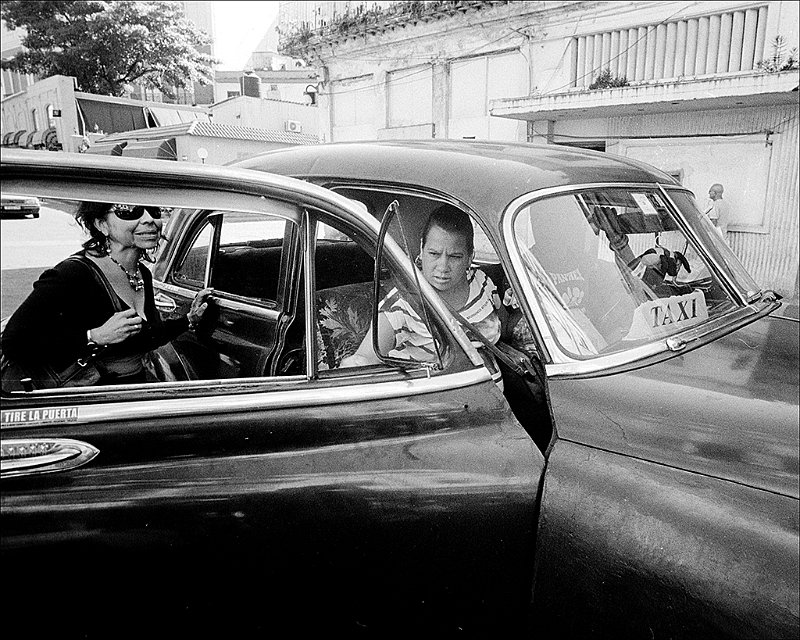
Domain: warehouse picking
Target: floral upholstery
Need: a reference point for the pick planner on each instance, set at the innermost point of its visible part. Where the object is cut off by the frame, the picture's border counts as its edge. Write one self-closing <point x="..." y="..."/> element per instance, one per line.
<point x="344" y="316"/>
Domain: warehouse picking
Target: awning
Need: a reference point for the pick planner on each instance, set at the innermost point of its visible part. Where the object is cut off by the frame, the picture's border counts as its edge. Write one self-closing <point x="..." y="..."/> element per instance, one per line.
<point x="111" y="117"/>
<point x="43" y="138"/>
<point x="164" y="116"/>
<point x="25" y="141"/>
<point x="17" y="137"/>
<point x="154" y="149"/>
<point x="751" y="89"/>
<point x="7" y="138"/>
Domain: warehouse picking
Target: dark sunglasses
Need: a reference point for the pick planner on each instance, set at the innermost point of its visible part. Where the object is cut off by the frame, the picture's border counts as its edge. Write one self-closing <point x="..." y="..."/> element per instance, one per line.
<point x="127" y="212"/>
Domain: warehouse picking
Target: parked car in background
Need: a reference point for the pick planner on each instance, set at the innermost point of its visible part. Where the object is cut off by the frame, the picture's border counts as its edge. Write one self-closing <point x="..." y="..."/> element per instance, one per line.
<point x="19" y="206"/>
<point x="634" y="475"/>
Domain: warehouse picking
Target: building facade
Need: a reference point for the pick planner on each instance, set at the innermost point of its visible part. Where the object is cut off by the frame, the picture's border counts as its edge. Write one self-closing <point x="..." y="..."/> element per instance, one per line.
<point x="12" y="82"/>
<point x="706" y="91"/>
<point x="53" y="112"/>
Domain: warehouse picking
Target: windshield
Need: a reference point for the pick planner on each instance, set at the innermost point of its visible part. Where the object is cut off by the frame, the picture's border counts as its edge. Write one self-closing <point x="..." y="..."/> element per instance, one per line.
<point x="611" y="269"/>
<point x="715" y="243"/>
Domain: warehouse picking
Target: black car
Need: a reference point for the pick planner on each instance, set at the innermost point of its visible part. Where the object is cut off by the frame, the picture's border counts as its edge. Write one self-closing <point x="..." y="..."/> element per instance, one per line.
<point x="623" y="464"/>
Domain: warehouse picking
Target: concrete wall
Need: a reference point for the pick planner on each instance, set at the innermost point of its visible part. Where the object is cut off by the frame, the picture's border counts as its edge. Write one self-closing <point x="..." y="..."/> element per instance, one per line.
<point x="759" y="173"/>
<point x="221" y="151"/>
<point x="258" y="113"/>
<point x="358" y="72"/>
<point x="292" y="92"/>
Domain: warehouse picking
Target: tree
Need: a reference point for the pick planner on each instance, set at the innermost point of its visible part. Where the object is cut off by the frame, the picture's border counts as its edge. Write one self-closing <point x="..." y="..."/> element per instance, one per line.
<point x="108" y="46"/>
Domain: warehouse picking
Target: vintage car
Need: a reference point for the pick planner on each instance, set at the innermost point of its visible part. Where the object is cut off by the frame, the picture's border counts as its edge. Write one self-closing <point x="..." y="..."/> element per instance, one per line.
<point x="622" y="463"/>
<point x="12" y="206"/>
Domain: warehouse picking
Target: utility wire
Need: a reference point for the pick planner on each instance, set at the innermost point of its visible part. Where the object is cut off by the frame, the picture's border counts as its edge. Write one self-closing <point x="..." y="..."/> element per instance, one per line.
<point x="424" y="69"/>
<point x="621" y="53"/>
<point x="477" y="49"/>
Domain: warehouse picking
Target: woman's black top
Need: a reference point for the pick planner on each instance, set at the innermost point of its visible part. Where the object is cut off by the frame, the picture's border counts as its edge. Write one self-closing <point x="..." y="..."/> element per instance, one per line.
<point x="50" y="326"/>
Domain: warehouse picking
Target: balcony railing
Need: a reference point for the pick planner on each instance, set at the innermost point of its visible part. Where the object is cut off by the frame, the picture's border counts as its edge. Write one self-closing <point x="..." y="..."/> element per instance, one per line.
<point x="720" y="43"/>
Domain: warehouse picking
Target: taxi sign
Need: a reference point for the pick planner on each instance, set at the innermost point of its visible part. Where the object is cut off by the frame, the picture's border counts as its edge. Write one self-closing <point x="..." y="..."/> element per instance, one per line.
<point x="668" y="315"/>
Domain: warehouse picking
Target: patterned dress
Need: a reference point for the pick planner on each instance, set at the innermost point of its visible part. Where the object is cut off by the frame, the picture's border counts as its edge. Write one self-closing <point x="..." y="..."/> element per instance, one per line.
<point x="412" y="338"/>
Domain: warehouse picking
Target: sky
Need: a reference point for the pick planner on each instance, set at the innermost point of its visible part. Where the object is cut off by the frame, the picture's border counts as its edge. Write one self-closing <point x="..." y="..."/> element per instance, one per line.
<point x="239" y="27"/>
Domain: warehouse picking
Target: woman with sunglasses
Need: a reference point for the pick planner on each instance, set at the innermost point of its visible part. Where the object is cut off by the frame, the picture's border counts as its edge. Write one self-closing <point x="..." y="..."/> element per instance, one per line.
<point x="100" y="301"/>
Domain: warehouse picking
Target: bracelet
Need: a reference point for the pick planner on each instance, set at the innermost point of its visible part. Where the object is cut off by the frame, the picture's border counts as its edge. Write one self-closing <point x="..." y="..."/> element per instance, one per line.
<point x="93" y="344"/>
<point x="192" y="323"/>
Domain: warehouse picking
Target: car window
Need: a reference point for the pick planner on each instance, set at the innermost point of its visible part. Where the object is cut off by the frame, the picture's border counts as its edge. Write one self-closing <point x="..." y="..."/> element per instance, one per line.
<point x="192" y="268"/>
<point x="345" y="299"/>
<point x="343" y="273"/>
<point x="406" y="227"/>
<point x="611" y="269"/>
<point x="247" y="261"/>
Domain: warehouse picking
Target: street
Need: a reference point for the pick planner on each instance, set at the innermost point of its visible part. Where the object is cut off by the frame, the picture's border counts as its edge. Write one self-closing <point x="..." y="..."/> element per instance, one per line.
<point x="30" y="245"/>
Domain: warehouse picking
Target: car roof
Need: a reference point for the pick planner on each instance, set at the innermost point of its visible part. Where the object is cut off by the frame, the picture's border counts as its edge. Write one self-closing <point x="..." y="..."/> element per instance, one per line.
<point x="486" y="176"/>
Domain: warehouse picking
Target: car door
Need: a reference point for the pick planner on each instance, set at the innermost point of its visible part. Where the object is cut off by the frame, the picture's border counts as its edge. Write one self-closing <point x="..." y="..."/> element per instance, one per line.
<point x="674" y="476"/>
<point x="249" y="260"/>
<point x="378" y="498"/>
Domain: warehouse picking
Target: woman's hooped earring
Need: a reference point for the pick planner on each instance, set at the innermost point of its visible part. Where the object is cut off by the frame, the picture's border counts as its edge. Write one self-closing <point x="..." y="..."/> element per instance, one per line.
<point x="106" y="245"/>
<point x="418" y="262"/>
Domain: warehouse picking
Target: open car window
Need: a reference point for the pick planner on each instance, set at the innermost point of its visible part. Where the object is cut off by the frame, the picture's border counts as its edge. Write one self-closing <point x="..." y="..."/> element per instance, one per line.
<point x="612" y="269"/>
<point x="345" y="302"/>
<point x="247" y="257"/>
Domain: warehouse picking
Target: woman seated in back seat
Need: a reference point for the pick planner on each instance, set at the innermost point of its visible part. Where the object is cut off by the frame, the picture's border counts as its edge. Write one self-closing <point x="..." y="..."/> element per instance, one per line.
<point x="446" y="253"/>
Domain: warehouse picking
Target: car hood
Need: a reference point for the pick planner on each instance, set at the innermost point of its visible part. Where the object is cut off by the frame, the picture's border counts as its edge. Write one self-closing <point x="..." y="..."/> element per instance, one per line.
<point x="728" y="409"/>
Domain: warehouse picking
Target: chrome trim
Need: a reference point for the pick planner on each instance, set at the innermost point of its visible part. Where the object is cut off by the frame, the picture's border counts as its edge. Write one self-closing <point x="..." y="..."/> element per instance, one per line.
<point x="22" y="457"/>
<point x="244" y="307"/>
<point x="225" y="303"/>
<point x="384" y="188"/>
<point x="564" y="365"/>
<point x="309" y="242"/>
<point x="228" y="183"/>
<point x="690" y="339"/>
<point x="269" y="400"/>
<point x="212" y="221"/>
<point x="173" y="289"/>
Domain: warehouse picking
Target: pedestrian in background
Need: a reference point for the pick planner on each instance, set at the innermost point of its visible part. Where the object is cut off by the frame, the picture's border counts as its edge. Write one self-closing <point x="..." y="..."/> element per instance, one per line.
<point x="717" y="209"/>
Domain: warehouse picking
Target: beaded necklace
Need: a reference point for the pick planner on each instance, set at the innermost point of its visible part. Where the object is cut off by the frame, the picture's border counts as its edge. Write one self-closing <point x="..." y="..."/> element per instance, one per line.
<point x="134" y="279"/>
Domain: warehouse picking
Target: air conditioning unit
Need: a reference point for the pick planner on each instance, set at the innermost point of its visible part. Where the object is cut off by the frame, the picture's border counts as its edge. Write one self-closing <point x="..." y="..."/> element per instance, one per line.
<point x="294" y="126"/>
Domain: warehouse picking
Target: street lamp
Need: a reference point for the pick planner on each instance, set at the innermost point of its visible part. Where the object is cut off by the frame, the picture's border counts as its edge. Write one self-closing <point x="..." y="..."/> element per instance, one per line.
<point x="311" y="92"/>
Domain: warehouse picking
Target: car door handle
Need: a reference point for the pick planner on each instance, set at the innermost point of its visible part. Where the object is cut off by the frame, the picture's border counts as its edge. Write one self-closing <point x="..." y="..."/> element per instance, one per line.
<point x="164" y="303"/>
<point x="38" y="455"/>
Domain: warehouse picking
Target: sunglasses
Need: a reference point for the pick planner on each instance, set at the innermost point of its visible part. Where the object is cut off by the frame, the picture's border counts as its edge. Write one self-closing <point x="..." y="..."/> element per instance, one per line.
<point x="127" y="212"/>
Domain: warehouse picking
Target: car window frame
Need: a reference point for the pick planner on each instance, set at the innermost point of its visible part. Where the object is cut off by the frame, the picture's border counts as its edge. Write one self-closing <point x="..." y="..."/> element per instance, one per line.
<point x="156" y="189"/>
<point x="436" y="197"/>
<point x="452" y="351"/>
<point x="558" y="362"/>
<point x="183" y="251"/>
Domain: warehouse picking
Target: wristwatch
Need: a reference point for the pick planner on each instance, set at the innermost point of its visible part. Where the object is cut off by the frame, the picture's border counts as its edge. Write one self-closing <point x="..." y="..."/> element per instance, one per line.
<point x="89" y="342"/>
